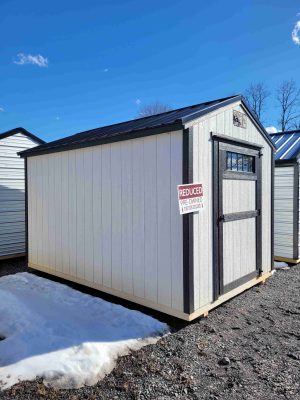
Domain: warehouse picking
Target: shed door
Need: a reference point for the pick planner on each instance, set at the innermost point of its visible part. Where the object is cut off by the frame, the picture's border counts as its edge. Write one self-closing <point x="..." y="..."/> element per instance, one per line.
<point x="238" y="215"/>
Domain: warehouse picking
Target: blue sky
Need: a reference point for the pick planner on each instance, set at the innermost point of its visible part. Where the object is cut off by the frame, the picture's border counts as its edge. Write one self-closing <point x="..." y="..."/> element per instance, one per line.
<point x="104" y="57"/>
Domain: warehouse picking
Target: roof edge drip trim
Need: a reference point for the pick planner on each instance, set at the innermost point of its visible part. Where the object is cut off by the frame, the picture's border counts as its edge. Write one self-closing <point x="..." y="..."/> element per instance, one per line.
<point x="289" y="161"/>
<point x="106" y="140"/>
<point x="14" y="131"/>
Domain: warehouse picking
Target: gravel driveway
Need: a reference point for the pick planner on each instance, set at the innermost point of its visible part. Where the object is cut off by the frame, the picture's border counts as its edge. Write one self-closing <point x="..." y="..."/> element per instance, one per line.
<point x="248" y="348"/>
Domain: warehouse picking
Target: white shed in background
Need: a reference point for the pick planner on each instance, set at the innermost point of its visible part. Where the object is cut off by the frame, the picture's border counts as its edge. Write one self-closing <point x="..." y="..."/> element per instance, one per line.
<point x="12" y="191"/>
<point x="286" y="197"/>
<point x="103" y="208"/>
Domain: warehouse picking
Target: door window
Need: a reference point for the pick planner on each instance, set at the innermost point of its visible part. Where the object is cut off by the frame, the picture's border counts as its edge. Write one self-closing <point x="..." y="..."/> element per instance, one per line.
<point x="239" y="162"/>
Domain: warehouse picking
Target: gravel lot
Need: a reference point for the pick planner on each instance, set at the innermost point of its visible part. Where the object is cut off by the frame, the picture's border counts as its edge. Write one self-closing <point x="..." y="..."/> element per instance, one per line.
<point x="248" y="348"/>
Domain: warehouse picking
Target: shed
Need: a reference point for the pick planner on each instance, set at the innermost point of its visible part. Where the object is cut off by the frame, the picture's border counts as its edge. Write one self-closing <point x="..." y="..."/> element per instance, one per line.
<point x="286" y="196"/>
<point x="103" y="208"/>
<point x="12" y="191"/>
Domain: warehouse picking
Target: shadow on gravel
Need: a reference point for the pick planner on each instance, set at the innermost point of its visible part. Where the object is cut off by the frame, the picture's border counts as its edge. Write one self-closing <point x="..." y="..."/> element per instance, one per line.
<point x="13" y="266"/>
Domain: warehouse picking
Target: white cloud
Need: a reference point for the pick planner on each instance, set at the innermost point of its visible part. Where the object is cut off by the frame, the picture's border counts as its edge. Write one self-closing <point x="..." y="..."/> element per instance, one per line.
<point x="271" y="129"/>
<point x="38" y="60"/>
<point x="105" y="70"/>
<point x="295" y="33"/>
<point x="138" y="102"/>
<point x="1" y="109"/>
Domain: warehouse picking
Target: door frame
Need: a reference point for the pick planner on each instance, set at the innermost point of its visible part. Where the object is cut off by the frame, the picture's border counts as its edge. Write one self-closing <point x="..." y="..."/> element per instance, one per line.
<point x="224" y="142"/>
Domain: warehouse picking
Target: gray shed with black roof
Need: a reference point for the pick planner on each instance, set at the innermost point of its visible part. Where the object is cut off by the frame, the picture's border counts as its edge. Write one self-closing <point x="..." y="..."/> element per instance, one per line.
<point x="103" y="207"/>
<point x="12" y="191"/>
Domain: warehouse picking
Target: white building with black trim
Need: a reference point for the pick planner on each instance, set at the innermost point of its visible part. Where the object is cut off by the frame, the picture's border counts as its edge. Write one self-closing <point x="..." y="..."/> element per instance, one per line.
<point x="103" y="208"/>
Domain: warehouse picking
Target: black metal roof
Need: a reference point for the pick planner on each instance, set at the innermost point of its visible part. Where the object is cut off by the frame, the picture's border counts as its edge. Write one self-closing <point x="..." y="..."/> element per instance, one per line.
<point x="14" y="131"/>
<point x="153" y="124"/>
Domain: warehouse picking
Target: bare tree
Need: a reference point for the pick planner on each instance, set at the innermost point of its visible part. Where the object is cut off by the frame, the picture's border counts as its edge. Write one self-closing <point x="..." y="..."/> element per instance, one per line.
<point x="256" y="96"/>
<point x="152" y="109"/>
<point x="296" y="125"/>
<point x="288" y="100"/>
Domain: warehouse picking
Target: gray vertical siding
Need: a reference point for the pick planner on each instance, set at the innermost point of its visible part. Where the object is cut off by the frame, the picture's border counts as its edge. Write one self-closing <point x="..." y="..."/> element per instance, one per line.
<point x="238" y="196"/>
<point x="239" y="237"/>
<point x="108" y="216"/>
<point x="283" y="211"/>
<point x="12" y="194"/>
<point x="239" y="258"/>
<point x="220" y="122"/>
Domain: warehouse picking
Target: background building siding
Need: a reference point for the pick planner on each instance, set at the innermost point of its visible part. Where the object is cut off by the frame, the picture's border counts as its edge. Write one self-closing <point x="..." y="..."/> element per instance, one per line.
<point x="283" y="211"/>
<point x="12" y="194"/>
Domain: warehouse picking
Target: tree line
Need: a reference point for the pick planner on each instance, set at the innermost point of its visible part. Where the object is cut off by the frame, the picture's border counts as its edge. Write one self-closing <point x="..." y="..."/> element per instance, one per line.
<point x="287" y="100"/>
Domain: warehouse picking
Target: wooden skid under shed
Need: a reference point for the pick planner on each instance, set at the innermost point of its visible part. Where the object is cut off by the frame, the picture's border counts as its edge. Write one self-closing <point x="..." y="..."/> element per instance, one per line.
<point x="203" y="311"/>
<point x="287" y="260"/>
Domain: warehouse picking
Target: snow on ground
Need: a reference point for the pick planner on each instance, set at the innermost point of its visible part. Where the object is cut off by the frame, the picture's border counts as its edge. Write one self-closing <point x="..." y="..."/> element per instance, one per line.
<point x="281" y="265"/>
<point x="68" y="338"/>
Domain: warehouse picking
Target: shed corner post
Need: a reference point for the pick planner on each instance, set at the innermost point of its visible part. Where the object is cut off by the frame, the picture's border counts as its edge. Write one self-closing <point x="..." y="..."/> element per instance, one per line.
<point x="26" y="209"/>
<point x="188" y="225"/>
<point x="272" y="207"/>
<point x="258" y="228"/>
<point x="217" y="194"/>
<point x="296" y="212"/>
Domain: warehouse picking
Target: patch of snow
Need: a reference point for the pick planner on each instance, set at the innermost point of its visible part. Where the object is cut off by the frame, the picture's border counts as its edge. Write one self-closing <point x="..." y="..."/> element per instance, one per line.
<point x="68" y="338"/>
<point x="281" y="265"/>
<point x="271" y="129"/>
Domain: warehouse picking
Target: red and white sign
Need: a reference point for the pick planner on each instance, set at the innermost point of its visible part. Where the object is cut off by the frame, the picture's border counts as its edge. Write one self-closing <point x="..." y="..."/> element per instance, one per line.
<point x="190" y="197"/>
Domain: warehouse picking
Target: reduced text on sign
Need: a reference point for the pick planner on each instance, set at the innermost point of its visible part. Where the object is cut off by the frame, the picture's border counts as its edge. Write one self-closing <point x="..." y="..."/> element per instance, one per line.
<point x="190" y="197"/>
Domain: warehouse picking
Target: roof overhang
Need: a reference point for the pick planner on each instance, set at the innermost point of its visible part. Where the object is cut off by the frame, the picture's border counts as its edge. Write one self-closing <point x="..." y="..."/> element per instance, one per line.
<point x="258" y="124"/>
<point x="111" y="139"/>
<point x="290" y="161"/>
<point x="14" y="131"/>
